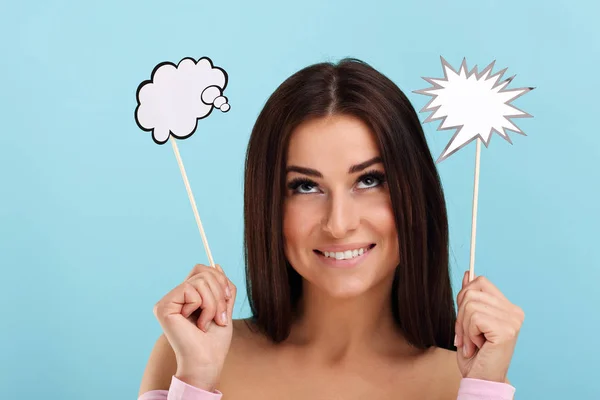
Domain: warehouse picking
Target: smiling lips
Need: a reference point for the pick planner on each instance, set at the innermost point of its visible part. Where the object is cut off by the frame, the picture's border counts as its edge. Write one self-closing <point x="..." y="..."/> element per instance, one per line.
<point x="346" y="252"/>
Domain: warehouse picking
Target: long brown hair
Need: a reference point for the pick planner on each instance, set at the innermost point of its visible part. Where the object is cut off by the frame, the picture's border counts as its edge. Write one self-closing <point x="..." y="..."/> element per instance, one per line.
<point x="422" y="299"/>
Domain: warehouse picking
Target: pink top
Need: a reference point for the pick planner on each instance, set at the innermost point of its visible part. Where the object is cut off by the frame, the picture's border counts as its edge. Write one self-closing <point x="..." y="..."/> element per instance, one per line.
<point x="470" y="389"/>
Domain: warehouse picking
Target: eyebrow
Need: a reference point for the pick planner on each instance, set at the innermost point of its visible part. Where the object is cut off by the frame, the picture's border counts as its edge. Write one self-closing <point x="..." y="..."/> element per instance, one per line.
<point x="352" y="170"/>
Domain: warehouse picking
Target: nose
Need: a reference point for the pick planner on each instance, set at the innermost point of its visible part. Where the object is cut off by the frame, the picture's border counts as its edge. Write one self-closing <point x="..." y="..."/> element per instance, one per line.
<point x="342" y="216"/>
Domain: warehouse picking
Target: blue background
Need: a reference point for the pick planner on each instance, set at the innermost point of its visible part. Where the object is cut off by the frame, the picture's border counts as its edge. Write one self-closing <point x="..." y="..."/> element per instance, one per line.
<point x="95" y="224"/>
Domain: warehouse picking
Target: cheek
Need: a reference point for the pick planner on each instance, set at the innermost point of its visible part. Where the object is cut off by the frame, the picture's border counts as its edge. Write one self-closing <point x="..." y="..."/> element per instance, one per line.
<point x="385" y="221"/>
<point x="381" y="218"/>
<point x="381" y="215"/>
<point x="299" y="218"/>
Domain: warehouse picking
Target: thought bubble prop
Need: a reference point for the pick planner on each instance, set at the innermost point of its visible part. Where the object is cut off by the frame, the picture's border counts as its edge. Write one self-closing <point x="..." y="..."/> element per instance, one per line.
<point x="172" y="102"/>
<point x="476" y="104"/>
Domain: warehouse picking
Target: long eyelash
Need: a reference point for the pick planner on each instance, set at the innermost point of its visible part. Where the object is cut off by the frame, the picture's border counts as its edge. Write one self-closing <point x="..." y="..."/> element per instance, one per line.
<point x="295" y="183"/>
<point x="380" y="176"/>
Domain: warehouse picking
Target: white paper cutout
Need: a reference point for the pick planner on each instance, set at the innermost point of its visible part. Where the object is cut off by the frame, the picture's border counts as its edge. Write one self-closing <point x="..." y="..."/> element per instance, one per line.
<point x="475" y="104"/>
<point x="177" y="96"/>
<point x="172" y="102"/>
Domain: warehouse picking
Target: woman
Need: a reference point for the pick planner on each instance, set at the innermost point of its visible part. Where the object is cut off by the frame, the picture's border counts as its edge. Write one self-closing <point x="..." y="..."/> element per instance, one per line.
<point x="346" y="248"/>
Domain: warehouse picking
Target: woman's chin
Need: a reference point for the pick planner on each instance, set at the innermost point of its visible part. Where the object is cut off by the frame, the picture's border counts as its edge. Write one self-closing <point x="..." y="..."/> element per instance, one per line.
<point x="346" y="290"/>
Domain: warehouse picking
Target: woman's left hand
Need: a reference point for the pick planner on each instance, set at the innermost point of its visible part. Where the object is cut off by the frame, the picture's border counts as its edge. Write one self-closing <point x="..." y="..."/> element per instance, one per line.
<point x="487" y="327"/>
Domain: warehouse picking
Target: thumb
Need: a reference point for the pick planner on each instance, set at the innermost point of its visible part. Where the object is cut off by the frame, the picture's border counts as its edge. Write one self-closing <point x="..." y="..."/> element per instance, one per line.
<point x="233" y="291"/>
<point x="465" y="280"/>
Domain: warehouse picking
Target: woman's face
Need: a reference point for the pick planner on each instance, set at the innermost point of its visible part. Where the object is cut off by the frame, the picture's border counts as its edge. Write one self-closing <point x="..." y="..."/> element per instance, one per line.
<point x="339" y="227"/>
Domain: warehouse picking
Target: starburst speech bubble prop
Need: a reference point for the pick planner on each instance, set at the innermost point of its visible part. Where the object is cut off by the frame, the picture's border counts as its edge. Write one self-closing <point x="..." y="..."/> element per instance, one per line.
<point x="476" y="104"/>
<point x="172" y="102"/>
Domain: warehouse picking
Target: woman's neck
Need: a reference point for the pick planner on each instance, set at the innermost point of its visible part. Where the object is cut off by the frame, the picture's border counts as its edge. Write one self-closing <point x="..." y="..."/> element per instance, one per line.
<point x="339" y="330"/>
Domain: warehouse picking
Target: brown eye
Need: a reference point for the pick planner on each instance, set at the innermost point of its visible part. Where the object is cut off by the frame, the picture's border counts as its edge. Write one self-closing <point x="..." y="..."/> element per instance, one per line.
<point x="302" y="186"/>
<point x="371" y="179"/>
<point x="305" y="187"/>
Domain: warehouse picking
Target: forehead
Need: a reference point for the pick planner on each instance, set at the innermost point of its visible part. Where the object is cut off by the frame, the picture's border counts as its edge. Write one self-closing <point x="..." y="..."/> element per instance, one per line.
<point x="338" y="139"/>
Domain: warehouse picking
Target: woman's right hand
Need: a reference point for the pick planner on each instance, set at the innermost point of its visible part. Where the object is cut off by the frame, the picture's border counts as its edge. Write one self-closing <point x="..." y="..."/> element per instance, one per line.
<point x="196" y="318"/>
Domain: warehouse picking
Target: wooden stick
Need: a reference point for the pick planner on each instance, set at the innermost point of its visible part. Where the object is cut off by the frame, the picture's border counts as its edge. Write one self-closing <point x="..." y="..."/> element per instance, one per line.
<point x="191" y="196"/>
<point x="474" y="220"/>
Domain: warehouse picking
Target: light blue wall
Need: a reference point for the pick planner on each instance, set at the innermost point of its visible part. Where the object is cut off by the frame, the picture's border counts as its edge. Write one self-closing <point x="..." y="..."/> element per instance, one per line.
<point x="95" y="224"/>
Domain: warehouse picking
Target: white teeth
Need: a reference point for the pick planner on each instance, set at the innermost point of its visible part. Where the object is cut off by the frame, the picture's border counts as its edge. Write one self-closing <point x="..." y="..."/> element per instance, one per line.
<point x="345" y="255"/>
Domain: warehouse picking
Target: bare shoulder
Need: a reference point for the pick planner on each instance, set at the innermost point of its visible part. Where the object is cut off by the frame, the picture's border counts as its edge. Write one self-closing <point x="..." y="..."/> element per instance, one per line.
<point x="161" y="366"/>
<point x="448" y="373"/>
<point x="246" y="343"/>
<point x="248" y="360"/>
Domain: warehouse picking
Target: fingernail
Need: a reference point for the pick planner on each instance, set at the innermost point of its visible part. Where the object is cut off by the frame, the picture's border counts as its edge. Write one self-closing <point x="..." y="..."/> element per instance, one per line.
<point x="227" y="291"/>
<point x="224" y="317"/>
<point x="206" y="326"/>
<point x="464" y="350"/>
<point x="454" y="340"/>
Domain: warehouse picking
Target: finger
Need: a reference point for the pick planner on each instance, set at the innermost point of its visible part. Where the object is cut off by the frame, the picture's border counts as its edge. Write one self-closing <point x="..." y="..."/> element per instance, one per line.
<point x="173" y="302"/>
<point x="471" y="338"/>
<point x="484" y="322"/>
<point x="468" y="345"/>
<point x="196" y="270"/>
<point x="209" y="301"/>
<point x="480" y="323"/>
<point x="224" y="281"/>
<point x="481" y="326"/>
<point x="483" y="284"/>
<point x="470" y="294"/>
<point x="495" y="325"/>
<point x="458" y="325"/>
<point x="192" y="301"/>
<point x="220" y="312"/>
<point x="220" y="296"/>
<point x="474" y="300"/>
<point x="217" y="272"/>
<point x="465" y="284"/>
<point x="231" y="300"/>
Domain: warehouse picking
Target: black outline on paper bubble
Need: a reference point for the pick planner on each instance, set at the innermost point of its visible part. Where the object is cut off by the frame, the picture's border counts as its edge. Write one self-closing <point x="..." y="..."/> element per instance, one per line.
<point x="151" y="80"/>
<point x="221" y="90"/>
